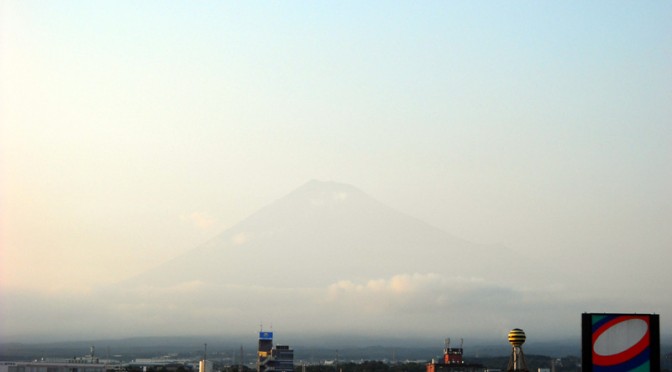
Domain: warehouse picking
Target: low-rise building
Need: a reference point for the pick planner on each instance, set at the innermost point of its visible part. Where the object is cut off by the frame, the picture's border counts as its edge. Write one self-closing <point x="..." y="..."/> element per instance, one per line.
<point x="452" y="362"/>
<point x="52" y="367"/>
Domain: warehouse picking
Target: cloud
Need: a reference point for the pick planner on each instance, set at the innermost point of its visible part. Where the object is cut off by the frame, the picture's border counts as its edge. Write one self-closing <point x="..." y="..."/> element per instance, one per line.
<point x="413" y="292"/>
<point x="406" y="304"/>
<point x="200" y="220"/>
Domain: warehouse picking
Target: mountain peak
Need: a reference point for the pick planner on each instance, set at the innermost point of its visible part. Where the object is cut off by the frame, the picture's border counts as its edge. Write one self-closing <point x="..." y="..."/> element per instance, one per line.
<point x="316" y="193"/>
<point x="322" y="187"/>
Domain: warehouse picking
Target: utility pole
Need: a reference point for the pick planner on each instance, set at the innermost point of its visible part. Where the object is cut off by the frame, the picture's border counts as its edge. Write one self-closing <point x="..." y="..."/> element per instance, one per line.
<point x="242" y="360"/>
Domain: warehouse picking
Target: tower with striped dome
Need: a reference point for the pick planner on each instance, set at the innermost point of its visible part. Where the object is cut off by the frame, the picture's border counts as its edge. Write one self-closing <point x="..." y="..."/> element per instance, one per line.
<point x="517" y="360"/>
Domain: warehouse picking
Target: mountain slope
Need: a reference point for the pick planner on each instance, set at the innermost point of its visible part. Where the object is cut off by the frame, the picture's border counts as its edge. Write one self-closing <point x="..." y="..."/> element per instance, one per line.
<point x="319" y="234"/>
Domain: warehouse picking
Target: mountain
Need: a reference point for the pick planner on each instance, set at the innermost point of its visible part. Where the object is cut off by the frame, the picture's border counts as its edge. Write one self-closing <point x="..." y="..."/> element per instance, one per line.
<point x="326" y="259"/>
<point x="320" y="234"/>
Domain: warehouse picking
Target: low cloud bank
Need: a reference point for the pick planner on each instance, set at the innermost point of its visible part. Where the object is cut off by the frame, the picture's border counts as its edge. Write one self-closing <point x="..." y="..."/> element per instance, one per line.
<point x="415" y="304"/>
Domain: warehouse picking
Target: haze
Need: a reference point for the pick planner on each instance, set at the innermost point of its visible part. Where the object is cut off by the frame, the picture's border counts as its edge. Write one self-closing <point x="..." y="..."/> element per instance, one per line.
<point x="133" y="132"/>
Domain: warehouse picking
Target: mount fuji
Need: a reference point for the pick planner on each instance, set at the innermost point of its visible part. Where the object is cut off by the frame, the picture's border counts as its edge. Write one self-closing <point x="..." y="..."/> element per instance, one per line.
<point x="326" y="259"/>
<point x="320" y="234"/>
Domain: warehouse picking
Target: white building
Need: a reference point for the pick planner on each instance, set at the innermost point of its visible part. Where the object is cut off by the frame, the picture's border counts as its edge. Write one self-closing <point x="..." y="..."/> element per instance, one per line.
<point x="203" y="366"/>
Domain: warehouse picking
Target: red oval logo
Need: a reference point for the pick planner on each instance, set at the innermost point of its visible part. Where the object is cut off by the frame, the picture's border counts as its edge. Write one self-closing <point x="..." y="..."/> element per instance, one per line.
<point x="620" y="339"/>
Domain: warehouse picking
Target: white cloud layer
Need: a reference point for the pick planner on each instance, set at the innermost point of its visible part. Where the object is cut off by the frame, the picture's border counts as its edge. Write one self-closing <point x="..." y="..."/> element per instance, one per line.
<point x="428" y="305"/>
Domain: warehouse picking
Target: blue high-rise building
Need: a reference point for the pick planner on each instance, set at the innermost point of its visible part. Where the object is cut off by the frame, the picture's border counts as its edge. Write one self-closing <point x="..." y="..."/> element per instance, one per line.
<point x="278" y="358"/>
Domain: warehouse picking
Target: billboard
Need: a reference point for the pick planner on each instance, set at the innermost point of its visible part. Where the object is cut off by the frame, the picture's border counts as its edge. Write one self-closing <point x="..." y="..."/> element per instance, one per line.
<point x="265" y="335"/>
<point x="620" y="342"/>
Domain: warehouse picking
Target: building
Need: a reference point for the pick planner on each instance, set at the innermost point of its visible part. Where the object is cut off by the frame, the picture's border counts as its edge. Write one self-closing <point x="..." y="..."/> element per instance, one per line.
<point x="283" y="358"/>
<point x="52" y="367"/>
<point x="278" y="358"/>
<point x="452" y="361"/>
<point x="205" y="366"/>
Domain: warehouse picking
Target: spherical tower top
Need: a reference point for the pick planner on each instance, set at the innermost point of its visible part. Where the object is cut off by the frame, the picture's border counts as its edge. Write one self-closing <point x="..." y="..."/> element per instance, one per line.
<point x="516" y="337"/>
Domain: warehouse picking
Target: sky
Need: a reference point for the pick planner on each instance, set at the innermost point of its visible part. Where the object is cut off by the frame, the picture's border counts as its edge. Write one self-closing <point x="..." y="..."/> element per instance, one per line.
<point x="132" y="132"/>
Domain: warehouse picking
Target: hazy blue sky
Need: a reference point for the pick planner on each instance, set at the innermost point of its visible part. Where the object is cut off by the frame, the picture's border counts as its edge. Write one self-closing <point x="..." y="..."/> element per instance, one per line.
<point x="132" y="131"/>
